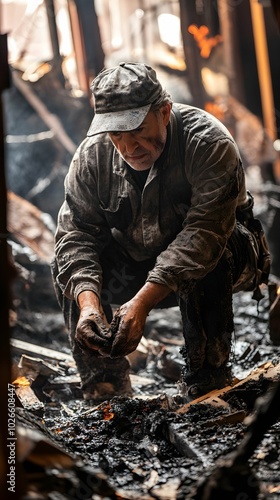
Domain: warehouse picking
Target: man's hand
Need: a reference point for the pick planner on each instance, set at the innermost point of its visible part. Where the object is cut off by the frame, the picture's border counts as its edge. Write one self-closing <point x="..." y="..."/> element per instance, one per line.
<point x="93" y="333"/>
<point x="127" y="327"/>
<point x="129" y="320"/>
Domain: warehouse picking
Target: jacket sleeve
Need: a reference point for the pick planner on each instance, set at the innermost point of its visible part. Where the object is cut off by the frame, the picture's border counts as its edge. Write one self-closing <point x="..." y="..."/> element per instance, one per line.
<point x="215" y="174"/>
<point x="82" y="231"/>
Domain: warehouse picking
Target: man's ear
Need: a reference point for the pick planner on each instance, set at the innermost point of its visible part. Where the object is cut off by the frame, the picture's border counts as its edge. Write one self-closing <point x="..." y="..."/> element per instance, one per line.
<point x="165" y="113"/>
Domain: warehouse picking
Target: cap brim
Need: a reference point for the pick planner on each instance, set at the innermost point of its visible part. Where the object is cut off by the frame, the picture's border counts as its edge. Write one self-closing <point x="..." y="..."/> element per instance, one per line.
<point x="118" y="121"/>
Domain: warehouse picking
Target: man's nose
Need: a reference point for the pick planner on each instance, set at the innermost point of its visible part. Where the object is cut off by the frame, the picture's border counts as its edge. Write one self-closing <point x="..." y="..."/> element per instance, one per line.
<point x="130" y="143"/>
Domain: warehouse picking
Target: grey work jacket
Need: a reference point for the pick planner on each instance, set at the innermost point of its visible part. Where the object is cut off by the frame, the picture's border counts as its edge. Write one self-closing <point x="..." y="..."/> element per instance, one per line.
<point x="184" y="215"/>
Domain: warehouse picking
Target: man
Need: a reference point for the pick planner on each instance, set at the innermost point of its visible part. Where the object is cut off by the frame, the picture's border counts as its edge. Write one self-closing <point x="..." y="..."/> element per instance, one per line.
<point x="149" y="216"/>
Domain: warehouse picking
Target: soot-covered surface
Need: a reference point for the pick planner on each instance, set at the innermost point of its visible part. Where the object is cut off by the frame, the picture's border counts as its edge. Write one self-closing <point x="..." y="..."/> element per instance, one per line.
<point x="132" y="439"/>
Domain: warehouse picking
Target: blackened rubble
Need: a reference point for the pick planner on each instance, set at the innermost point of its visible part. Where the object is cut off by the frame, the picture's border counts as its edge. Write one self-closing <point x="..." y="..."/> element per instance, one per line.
<point x="132" y="440"/>
<point x="144" y="446"/>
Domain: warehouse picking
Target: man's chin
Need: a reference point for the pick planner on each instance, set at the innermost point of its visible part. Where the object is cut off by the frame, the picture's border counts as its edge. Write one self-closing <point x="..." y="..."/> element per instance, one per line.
<point x="139" y="165"/>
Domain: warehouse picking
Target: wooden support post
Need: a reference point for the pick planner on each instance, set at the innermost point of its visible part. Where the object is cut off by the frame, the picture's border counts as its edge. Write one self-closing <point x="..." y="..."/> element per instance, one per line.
<point x="189" y="16"/>
<point x="228" y="23"/>
<point x="79" y="47"/>
<point x="57" y="59"/>
<point x="264" y="73"/>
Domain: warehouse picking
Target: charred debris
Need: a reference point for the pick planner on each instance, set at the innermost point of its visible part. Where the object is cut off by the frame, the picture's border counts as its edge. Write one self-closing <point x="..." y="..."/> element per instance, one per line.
<point x="154" y="445"/>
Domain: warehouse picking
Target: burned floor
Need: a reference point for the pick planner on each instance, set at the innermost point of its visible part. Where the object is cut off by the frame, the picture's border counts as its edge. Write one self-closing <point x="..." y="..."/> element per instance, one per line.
<point x="154" y="445"/>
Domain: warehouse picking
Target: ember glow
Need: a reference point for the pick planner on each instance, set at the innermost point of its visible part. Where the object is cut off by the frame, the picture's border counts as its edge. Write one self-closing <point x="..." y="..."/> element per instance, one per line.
<point x="21" y="382"/>
<point x="205" y="44"/>
<point x="108" y="414"/>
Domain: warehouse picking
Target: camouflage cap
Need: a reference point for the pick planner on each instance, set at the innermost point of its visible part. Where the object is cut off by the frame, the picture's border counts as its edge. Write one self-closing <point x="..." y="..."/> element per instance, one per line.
<point x="123" y="96"/>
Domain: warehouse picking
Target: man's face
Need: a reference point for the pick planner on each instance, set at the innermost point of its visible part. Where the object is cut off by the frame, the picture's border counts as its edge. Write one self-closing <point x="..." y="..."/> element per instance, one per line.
<point x="141" y="147"/>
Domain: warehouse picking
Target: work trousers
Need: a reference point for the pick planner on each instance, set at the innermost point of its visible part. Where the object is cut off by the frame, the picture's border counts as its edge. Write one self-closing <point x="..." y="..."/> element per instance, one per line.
<point x="207" y="313"/>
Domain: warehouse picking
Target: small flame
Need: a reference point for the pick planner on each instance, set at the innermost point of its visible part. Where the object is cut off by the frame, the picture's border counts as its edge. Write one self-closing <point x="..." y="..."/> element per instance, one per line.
<point x="107" y="413"/>
<point x="205" y="44"/>
<point x="278" y="290"/>
<point x="21" y="382"/>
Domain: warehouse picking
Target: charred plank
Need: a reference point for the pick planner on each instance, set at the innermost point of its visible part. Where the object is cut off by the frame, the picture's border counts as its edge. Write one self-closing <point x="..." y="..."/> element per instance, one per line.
<point x="27" y="347"/>
<point x="28" y="400"/>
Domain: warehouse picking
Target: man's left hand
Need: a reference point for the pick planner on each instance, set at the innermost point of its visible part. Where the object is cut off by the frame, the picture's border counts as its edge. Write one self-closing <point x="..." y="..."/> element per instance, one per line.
<point x="127" y="327"/>
<point x="129" y="320"/>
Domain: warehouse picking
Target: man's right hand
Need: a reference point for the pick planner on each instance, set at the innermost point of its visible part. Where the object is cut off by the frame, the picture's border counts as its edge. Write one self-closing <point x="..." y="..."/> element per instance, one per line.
<point x="93" y="333"/>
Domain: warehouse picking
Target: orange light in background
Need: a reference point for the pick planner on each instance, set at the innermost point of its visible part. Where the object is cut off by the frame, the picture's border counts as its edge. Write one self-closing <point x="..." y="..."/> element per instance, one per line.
<point x="205" y="44"/>
<point x="215" y="110"/>
<point x="21" y="382"/>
